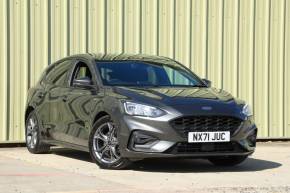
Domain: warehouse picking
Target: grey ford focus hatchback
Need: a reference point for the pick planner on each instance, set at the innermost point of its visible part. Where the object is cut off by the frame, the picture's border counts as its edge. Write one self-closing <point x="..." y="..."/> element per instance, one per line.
<point x="123" y="108"/>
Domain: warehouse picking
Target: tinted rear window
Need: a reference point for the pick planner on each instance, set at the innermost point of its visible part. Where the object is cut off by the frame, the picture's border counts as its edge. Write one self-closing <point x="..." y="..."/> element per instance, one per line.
<point x="58" y="74"/>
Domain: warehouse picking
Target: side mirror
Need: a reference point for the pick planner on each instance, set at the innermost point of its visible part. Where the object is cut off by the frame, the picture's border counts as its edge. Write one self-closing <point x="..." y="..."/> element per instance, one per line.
<point x="207" y="82"/>
<point x="83" y="82"/>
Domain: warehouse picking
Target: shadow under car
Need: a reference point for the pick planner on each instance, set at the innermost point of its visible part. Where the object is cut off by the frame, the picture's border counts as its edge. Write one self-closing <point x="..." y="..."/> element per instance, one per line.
<point x="178" y="165"/>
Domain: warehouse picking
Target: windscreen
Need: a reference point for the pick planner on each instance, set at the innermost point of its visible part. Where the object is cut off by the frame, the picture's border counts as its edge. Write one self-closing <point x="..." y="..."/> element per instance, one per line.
<point x="136" y="73"/>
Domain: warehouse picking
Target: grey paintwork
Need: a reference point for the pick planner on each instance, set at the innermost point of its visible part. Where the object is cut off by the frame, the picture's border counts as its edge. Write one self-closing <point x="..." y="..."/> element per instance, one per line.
<point x="67" y="114"/>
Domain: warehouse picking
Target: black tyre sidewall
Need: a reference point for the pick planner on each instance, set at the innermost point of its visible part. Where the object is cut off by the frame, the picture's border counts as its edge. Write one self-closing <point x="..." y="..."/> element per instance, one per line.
<point x="120" y="164"/>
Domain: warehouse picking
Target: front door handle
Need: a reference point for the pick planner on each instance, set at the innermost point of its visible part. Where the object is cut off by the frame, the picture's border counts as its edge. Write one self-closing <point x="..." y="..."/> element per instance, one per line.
<point x="64" y="98"/>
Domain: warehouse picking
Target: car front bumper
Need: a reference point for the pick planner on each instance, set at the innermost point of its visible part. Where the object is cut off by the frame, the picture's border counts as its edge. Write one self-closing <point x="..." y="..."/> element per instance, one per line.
<point x="165" y="141"/>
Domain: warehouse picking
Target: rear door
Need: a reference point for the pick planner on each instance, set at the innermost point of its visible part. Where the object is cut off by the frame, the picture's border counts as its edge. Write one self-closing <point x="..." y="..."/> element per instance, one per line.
<point x="57" y="86"/>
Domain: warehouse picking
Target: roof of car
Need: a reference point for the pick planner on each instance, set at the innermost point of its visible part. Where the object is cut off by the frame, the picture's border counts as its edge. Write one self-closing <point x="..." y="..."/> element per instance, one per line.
<point x="131" y="57"/>
<point x="135" y="57"/>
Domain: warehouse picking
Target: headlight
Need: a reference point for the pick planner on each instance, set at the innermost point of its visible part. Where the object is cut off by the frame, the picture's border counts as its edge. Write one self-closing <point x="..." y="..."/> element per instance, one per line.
<point x="142" y="110"/>
<point x="247" y="110"/>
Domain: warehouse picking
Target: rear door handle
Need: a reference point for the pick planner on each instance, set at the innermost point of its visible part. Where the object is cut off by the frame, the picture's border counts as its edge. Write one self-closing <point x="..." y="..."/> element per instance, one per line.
<point x="40" y="95"/>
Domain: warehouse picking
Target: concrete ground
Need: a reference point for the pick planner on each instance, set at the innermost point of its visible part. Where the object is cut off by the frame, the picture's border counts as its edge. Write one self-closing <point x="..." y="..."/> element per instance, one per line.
<point x="268" y="170"/>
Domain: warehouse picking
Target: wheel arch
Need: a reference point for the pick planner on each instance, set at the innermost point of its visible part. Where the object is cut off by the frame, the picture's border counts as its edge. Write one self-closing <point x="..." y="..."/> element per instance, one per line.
<point x="99" y="115"/>
<point x="29" y="109"/>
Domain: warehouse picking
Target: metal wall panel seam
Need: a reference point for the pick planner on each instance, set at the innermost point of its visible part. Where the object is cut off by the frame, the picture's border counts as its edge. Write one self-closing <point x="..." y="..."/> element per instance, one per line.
<point x="238" y="47"/>
<point x="79" y="26"/>
<point x="106" y="26"/>
<point x="83" y="26"/>
<point x="284" y="69"/>
<point x="140" y="27"/>
<point x="174" y="28"/>
<point x="15" y="46"/>
<point x="122" y="25"/>
<point x="287" y="71"/>
<point x="33" y="44"/>
<point x="29" y="44"/>
<point x="71" y="29"/>
<point x="254" y="46"/>
<point x="222" y="46"/>
<point x="90" y="9"/>
<point x="187" y="42"/>
<point x="25" y="64"/>
<point x="206" y="42"/>
<point x="269" y="51"/>
<point x="8" y="70"/>
<point x="190" y="35"/>
<point x="10" y="84"/>
<point x="49" y="31"/>
<point x="87" y="26"/>
<point x="157" y="27"/>
<point x="4" y="59"/>
<point x="68" y="27"/>
<point x="124" y="11"/>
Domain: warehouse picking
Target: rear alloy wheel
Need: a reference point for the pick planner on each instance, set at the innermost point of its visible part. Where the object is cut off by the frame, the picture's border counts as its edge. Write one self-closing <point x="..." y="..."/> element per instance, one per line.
<point x="104" y="145"/>
<point x="227" y="161"/>
<point x="33" y="142"/>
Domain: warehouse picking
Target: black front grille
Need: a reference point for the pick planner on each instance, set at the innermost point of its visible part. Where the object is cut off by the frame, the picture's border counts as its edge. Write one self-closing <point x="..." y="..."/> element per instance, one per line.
<point x="223" y="147"/>
<point x="183" y="125"/>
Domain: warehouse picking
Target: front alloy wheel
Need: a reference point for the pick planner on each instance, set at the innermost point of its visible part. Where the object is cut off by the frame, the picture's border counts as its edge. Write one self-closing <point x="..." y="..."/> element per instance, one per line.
<point x="105" y="143"/>
<point x="104" y="146"/>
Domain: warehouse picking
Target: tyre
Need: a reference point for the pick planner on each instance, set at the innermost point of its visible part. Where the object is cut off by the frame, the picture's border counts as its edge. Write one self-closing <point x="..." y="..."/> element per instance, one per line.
<point x="32" y="135"/>
<point x="104" y="146"/>
<point x="227" y="161"/>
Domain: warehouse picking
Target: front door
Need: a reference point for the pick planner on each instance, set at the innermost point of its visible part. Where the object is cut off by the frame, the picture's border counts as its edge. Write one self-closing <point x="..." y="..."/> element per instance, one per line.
<point x="78" y="102"/>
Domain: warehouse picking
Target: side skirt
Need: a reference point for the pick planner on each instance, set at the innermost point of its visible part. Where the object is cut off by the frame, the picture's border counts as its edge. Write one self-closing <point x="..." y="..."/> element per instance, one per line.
<point x="67" y="145"/>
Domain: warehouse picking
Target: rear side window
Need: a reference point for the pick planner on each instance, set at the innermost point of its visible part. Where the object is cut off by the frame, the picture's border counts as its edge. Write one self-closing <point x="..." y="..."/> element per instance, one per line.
<point x="59" y="74"/>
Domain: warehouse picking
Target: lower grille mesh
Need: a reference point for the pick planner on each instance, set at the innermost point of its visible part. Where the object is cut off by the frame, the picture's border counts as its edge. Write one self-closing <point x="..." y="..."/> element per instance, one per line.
<point x="226" y="147"/>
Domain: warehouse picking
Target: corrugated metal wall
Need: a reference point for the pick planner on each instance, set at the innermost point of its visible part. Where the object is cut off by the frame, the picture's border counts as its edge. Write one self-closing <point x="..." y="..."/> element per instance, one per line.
<point x="243" y="46"/>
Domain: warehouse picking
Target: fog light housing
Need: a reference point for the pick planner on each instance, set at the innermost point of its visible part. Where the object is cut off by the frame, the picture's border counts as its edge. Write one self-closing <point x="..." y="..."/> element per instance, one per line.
<point x="252" y="138"/>
<point x="142" y="142"/>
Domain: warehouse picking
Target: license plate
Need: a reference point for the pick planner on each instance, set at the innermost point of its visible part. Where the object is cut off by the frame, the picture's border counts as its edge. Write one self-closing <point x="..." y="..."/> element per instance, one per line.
<point x="203" y="137"/>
